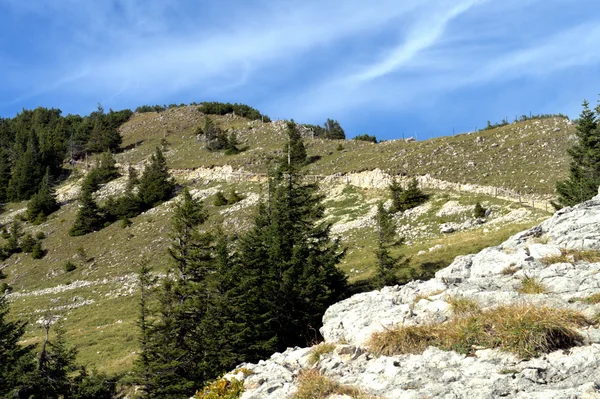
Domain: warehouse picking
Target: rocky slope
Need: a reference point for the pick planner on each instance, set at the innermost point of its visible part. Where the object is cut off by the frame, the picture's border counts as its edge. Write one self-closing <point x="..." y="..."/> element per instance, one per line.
<point x="490" y="278"/>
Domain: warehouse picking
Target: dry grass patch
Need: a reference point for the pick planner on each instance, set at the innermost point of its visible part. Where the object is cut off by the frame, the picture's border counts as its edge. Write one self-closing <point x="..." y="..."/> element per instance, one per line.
<point x="572" y="256"/>
<point x="524" y="330"/>
<point x="320" y="350"/>
<point x="530" y="285"/>
<point x="463" y="306"/>
<point x="510" y="270"/>
<point x="313" y="385"/>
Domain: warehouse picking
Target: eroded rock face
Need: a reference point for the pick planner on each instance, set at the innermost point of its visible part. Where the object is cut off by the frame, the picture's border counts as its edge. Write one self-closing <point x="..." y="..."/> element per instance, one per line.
<point x="490" y="278"/>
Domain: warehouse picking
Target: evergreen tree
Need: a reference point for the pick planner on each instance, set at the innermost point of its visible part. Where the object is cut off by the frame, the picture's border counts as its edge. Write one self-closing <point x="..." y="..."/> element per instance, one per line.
<point x="295" y="152"/>
<point x="43" y="203"/>
<point x="13" y="241"/>
<point x="334" y="130"/>
<point x="584" y="170"/>
<point x="387" y="265"/>
<point x="404" y="199"/>
<point x="5" y="171"/>
<point x="479" y="211"/>
<point x="104" y="135"/>
<point x="214" y="138"/>
<point x="16" y="360"/>
<point x="175" y="345"/>
<point x="287" y="263"/>
<point x="27" y="172"/>
<point x="156" y="185"/>
<point x="88" y="218"/>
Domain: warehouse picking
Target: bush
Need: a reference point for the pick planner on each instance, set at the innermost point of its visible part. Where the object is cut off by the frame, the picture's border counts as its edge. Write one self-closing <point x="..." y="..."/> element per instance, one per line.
<point x="220" y="199"/>
<point x="221" y="389"/>
<point x="40" y="235"/>
<point x="69" y="266"/>
<point x="38" y="251"/>
<point x="234" y="197"/>
<point x="5" y="288"/>
<point x="479" y="211"/>
<point x="404" y="199"/>
<point x="27" y="243"/>
<point x="366" y="137"/>
<point x="525" y="330"/>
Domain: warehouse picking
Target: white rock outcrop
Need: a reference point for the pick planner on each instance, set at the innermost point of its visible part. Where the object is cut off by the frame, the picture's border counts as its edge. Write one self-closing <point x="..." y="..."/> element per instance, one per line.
<point x="490" y="278"/>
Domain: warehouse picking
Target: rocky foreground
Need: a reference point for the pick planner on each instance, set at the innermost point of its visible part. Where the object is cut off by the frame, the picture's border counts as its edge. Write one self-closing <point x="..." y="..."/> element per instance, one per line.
<point x="490" y="278"/>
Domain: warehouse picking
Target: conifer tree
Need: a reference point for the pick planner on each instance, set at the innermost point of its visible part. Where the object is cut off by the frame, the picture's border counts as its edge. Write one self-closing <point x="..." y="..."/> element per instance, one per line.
<point x="387" y="265"/>
<point x="156" y="185"/>
<point x="334" y="130"/>
<point x="16" y="360"/>
<point x="584" y="169"/>
<point x="13" y="241"/>
<point x="5" y="171"/>
<point x="27" y="172"/>
<point x="404" y="199"/>
<point x="43" y="203"/>
<point x="88" y="218"/>
<point x="175" y="357"/>
<point x="287" y="262"/>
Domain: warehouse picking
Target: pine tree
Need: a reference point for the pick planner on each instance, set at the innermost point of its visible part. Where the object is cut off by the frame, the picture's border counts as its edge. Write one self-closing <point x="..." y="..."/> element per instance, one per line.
<point x="584" y="170"/>
<point x="16" y="360"/>
<point x="88" y="218"/>
<point x="104" y="135"/>
<point x="156" y="185"/>
<point x="479" y="211"/>
<point x="13" y="241"/>
<point x="387" y="265"/>
<point x="43" y="203"/>
<point x="177" y="339"/>
<point x="334" y="130"/>
<point x="5" y="172"/>
<point x="27" y="172"/>
<point x="287" y="262"/>
<point x="404" y="199"/>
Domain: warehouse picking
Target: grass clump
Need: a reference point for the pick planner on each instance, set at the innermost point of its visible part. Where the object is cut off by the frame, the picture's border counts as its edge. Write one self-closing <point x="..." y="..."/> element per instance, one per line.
<point x="320" y="350"/>
<point x="463" y="306"/>
<point x="530" y="285"/>
<point x="572" y="256"/>
<point x="69" y="266"/>
<point x="524" y="330"/>
<point x="313" y="385"/>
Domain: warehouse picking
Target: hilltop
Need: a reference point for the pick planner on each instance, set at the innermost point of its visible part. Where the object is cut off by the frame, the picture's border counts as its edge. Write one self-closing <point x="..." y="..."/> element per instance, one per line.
<point x="528" y="156"/>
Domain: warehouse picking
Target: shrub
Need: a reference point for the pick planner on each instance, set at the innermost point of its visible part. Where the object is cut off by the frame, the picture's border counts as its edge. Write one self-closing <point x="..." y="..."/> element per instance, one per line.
<point x="69" y="266"/>
<point x="479" y="211"/>
<point x="220" y="199"/>
<point x="27" y="243"/>
<point x="366" y="137"/>
<point x="221" y="389"/>
<point x="405" y="199"/>
<point x="38" y="252"/>
<point x="5" y="288"/>
<point x="524" y="330"/>
<point x="233" y="197"/>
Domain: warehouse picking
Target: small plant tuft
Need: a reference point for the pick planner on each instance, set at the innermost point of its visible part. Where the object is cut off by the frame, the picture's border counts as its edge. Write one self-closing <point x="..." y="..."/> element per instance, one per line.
<point x="313" y="385"/>
<point x="530" y="285"/>
<point x="320" y="350"/>
<point x="463" y="306"/>
<point x="69" y="266"/>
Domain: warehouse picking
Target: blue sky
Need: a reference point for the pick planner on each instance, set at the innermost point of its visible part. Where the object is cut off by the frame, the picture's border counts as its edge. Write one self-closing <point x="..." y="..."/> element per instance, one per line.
<point x="382" y="67"/>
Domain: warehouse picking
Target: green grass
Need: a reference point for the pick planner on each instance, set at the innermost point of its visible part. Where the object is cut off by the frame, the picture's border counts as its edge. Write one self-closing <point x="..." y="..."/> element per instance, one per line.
<point x="507" y="156"/>
<point x="104" y="331"/>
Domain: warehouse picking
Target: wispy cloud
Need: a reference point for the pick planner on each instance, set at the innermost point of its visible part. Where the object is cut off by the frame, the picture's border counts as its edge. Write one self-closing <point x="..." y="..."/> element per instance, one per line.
<point x="304" y="59"/>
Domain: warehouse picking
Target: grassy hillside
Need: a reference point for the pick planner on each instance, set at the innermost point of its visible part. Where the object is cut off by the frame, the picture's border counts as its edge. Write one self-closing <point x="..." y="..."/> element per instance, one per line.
<point x="525" y="156"/>
<point x="98" y="300"/>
